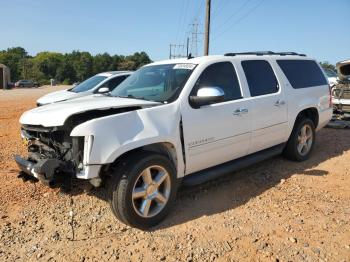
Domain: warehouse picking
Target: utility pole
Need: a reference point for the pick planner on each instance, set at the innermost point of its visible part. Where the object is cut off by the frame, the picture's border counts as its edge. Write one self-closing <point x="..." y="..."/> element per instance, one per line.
<point x="207" y="28"/>
<point x="194" y="38"/>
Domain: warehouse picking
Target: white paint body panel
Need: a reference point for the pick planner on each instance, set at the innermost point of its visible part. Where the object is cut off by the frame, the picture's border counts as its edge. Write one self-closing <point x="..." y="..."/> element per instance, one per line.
<point x="56" y="114"/>
<point x="212" y="134"/>
<point x="64" y="95"/>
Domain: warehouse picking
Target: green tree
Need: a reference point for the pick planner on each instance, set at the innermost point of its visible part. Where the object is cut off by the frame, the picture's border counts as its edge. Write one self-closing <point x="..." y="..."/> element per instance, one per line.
<point x="83" y="64"/>
<point x="126" y="65"/>
<point x="116" y="60"/>
<point x="139" y="59"/>
<point x="65" y="72"/>
<point x="327" y="66"/>
<point x="48" y="63"/>
<point x="32" y="71"/>
<point x="102" y="63"/>
<point x="12" y="57"/>
<point x="69" y="67"/>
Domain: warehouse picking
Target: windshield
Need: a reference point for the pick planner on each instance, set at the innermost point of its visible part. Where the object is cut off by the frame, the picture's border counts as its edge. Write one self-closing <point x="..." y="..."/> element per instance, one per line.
<point x="88" y="84"/>
<point x="161" y="83"/>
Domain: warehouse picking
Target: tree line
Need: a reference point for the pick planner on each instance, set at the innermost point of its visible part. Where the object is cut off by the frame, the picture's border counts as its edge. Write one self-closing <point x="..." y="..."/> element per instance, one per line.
<point x="66" y="68"/>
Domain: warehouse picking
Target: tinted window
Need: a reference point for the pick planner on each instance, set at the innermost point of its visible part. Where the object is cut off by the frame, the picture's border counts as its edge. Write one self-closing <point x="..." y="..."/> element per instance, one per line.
<point x="88" y="84"/>
<point x="260" y="77"/>
<point x="221" y="75"/>
<point x="113" y="83"/>
<point x="302" y="73"/>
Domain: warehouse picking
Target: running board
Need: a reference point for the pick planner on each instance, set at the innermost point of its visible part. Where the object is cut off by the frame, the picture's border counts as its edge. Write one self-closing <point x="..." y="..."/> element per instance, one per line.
<point x="228" y="167"/>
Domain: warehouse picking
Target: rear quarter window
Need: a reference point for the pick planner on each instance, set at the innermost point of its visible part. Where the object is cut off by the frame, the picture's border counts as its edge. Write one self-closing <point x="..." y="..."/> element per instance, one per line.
<point x="302" y="73"/>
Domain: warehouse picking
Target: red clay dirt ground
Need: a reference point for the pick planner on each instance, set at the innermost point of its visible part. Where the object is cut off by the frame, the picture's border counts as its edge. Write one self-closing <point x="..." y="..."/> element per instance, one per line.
<point x="276" y="210"/>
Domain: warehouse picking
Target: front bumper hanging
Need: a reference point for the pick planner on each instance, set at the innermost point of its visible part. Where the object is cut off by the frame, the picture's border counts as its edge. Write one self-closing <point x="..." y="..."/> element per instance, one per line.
<point x="43" y="170"/>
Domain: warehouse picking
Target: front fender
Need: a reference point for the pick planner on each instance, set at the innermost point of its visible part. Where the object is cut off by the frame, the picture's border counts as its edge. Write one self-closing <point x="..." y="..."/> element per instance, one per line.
<point x="117" y="134"/>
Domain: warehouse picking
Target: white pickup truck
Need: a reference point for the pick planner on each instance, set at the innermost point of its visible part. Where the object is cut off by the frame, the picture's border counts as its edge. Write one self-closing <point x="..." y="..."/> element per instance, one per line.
<point x="188" y="120"/>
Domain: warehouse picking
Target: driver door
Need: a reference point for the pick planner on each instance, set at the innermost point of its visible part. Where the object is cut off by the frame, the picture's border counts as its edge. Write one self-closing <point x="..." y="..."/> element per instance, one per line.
<point x="219" y="132"/>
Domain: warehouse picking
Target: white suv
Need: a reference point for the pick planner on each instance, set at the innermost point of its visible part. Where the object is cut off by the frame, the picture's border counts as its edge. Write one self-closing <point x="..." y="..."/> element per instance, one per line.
<point x="100" y="83"/>
<point x="188" y="120"/>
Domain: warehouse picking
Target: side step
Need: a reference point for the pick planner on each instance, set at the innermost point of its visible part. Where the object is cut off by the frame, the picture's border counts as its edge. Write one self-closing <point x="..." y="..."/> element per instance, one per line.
<point x="228" y="167"/>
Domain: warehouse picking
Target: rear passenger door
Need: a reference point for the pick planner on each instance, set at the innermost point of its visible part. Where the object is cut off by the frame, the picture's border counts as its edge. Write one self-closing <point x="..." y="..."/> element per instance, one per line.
<point x="269" y="105"/>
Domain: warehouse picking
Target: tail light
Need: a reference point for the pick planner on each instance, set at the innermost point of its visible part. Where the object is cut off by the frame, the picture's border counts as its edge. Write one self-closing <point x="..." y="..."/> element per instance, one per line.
<point x="330" y="96"/>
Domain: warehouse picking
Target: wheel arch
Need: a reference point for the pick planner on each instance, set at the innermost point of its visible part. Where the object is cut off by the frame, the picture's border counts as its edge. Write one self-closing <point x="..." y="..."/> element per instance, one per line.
<point x="164" y="148"/>
<point x="311" y="113"/>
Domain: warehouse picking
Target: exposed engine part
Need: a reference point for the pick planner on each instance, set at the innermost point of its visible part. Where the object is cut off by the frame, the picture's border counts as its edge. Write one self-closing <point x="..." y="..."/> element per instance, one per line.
<point x="341" y="91"/>
<point x="53" y="155"/>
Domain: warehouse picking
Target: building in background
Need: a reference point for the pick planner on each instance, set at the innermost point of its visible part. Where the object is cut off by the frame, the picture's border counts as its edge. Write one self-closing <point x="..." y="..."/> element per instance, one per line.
<point x="4" y="76"/>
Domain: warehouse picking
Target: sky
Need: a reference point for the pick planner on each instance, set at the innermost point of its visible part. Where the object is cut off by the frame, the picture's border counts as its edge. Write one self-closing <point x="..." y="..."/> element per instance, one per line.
<point x="318" y="28"/>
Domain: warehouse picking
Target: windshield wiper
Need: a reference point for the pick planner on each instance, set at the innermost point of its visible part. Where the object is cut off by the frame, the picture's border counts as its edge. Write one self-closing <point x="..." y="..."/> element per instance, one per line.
<point x="133" y="97"/>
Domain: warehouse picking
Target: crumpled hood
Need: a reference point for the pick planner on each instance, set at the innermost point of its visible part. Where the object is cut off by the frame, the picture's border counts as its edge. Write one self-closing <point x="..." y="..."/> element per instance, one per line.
<point x="59" y="96"/>
<point x="56" y="114"/>
<point x="343" y="69"/>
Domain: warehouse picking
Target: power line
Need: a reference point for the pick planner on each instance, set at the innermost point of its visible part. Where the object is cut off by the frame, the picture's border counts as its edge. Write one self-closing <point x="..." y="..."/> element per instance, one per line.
<point x="232" y="15"/>
<point x="184" y="20"/>
<point x="199" y="11"/>
<point x="175" y="51"/>
<point x="240" y="19"/>
<point x="219" y="8"/>
<point x="180" y="21"/>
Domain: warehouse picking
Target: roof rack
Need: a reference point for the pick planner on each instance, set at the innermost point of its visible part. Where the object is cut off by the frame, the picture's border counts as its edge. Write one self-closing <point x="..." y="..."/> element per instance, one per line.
<point x="261" y="53"/>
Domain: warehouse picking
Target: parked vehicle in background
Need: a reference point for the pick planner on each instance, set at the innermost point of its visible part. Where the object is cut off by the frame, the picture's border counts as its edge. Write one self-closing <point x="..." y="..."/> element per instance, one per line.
<point x="188" y="120"/>
<point x="331" y="76"/>
<point x="100" y="83"/>
<point x="341" y="91"/>
<point x="26" y="83"/>
<point x="10" y="85"/>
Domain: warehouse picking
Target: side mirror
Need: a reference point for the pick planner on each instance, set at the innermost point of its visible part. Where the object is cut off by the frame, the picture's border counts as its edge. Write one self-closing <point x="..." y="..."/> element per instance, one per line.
<point x="206" y="96"/>
<point x="103" y="90"/>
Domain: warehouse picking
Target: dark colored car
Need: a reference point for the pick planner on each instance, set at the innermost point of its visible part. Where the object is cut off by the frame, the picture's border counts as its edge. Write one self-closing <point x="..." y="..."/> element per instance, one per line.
<point x="26" y="83"/>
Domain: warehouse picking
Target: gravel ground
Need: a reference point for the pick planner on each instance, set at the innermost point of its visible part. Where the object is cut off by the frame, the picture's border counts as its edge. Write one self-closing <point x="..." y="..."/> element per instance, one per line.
<point x="276" y="210"/>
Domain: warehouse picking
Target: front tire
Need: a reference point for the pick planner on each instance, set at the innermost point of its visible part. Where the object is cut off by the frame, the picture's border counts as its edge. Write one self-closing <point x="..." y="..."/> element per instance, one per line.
<point x="144" y="190"/>
<point x="302" y="140"/>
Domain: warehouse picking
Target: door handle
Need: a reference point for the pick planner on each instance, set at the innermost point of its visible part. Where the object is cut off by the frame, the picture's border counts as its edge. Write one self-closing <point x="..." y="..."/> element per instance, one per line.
<point x="240" y="111"/>
<point x="280" y="103"/>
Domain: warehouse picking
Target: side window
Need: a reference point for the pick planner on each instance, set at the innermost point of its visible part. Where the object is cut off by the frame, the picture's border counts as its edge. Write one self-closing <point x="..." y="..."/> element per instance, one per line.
<point x="221" y="75"/>
<point x="113" y="83"/>
<point x="302" y="73"/>
<point x="260" y="77"/>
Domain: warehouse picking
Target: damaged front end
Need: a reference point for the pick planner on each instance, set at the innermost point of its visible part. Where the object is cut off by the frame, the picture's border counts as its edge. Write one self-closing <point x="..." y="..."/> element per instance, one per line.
<point x="341" y="91"/>
<point x="53" y="156"/>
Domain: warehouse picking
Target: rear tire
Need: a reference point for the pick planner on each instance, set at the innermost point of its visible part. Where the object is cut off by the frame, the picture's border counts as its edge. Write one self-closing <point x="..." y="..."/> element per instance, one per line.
<point x="302" y="140"/>
<point x="143" y="190"/>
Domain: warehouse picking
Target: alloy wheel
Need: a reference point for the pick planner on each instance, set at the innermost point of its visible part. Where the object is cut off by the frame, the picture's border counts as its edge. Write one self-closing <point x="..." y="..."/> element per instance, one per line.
<point x="305" y="140"/>
<point x="151" y="191"/>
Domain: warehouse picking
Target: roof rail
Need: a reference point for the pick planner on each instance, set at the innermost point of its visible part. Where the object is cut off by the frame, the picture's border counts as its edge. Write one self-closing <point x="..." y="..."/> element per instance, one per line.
<point x="261" y="53"/>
